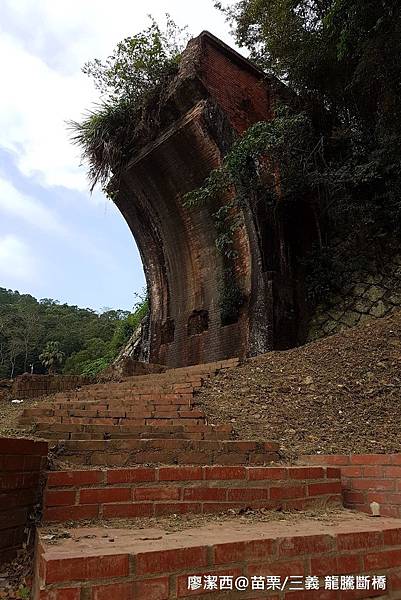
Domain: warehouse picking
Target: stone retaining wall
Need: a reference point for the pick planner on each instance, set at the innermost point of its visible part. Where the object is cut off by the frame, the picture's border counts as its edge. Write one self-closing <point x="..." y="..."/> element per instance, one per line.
<point x="370" y="294"/>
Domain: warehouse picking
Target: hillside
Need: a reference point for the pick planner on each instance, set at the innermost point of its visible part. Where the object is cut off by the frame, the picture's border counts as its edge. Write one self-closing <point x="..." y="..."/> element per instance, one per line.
<point x="337" y="395"/>
<point x="89" y="341"/>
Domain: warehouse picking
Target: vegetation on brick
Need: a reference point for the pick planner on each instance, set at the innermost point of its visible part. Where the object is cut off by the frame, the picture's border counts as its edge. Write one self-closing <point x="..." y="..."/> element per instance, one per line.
<point x="130" y="81"/>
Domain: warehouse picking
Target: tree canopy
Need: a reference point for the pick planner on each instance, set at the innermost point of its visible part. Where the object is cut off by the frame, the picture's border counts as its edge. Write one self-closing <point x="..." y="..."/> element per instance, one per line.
<point x="29" y="328"/>
<point x="343" y="52"/>
<point x="342" y="58"/>
<point x="138" y="63"/>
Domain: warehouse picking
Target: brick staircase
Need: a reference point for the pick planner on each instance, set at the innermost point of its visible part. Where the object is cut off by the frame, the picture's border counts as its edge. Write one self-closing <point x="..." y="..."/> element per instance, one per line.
<point x="149" y="419"/>
<point x="141" y="448"/>
<point x="138" y="407"/>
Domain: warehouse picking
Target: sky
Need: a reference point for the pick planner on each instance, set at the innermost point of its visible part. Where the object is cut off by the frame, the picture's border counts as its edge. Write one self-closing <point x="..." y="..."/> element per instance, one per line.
<point x="56" y="239"/>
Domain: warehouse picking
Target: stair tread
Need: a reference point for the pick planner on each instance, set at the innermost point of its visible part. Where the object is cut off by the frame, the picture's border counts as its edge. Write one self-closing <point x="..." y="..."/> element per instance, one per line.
<point x="120" y="442"/>
<point x="137" y="541"/>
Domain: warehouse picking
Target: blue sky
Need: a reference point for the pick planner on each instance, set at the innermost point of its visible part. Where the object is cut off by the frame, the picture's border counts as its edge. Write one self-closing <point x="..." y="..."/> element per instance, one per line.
<point x="56" y="239"/>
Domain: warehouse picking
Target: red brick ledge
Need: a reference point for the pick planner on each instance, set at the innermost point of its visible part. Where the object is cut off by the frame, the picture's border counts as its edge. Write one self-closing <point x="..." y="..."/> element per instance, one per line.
<point x="155" y="491"/>
<point x="366" y="478"/>
<point x="151" y="565"/>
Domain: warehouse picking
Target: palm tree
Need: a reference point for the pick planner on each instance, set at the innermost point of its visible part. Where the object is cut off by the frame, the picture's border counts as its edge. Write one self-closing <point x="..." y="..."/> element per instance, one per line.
<point x="51" y="356"/>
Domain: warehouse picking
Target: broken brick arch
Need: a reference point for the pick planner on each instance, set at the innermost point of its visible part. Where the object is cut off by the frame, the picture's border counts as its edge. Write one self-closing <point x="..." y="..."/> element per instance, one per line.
<point x="216" y="95"/>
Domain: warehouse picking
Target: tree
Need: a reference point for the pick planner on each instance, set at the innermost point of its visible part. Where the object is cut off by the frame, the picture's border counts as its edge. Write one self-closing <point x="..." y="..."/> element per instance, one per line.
<point x="27" y="325"/>
<point x="15" y="349"/>
<point x="52" y="357"/>
<point x="12" y="341"/>
<point x="138" y="64"/>
<point x="343" y="52"/>
<point x="30" y="326"/>
<point x="94" y="349"/>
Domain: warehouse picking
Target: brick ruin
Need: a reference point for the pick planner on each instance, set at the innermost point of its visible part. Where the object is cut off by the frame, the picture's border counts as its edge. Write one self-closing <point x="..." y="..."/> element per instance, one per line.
<point x="144" y="448"/>
<point x="216" y="95"/>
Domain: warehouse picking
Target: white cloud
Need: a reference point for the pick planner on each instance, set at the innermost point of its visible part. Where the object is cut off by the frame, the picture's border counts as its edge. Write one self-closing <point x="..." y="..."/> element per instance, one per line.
<point x="26" y="208"/>
<point x="84" y="29"/>
<point x="44" y="44"/>
<point x="22" y="206"/>
<point x="16" y="261"/>
<point x="34" y="104"/>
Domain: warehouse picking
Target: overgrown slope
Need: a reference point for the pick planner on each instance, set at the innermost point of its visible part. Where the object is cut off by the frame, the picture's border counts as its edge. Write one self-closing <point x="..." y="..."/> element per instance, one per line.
<point x="340" y="394"/>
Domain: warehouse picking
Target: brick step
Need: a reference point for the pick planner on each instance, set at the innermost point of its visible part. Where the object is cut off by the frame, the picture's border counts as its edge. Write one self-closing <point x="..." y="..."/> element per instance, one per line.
<point x="50" y="421"/>
<point x="156" y="491"/>
<point x="190" y="371"/>
<point x="185" y="379"/>
<point x="132" y="414"/>
<point x="185" y="376"/>
<point x="169" y="402"/>
<point x="60" y="431"/>
<point x="179" y="403"/>
<point x="183" y="427"/>
<point x="166" y="387"/>
<point x="145" y="426"/>
<point x="146" y="401"/>
<point x="107" y="394"/>
<point x="99" y="563"/>
<point x="122" y="393"/>
<point x="146" y="382"/>
<point x="123" y="452"/>
<point x="155" y="401"/>
<point x="63" y="436"/>
<point x="151" y="392"/>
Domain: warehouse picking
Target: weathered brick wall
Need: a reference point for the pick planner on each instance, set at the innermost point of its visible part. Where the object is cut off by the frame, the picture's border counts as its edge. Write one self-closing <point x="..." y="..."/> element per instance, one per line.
<point x="21" y="464"/>
<point x="367" y="478"/>
<point x="183" y="265"/>
<point x="242" y="94"/>
<point x="34" y="386"/>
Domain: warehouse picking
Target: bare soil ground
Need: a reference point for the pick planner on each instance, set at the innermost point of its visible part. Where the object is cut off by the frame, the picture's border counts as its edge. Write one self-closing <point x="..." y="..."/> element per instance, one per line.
<point x="16" y="577"/>
<point x="9" y="415"/>
<point x="341" y="394"/>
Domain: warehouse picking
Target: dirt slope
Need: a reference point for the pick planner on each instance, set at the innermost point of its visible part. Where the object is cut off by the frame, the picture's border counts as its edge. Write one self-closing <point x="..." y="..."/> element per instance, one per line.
<point x="340" y="394"/>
